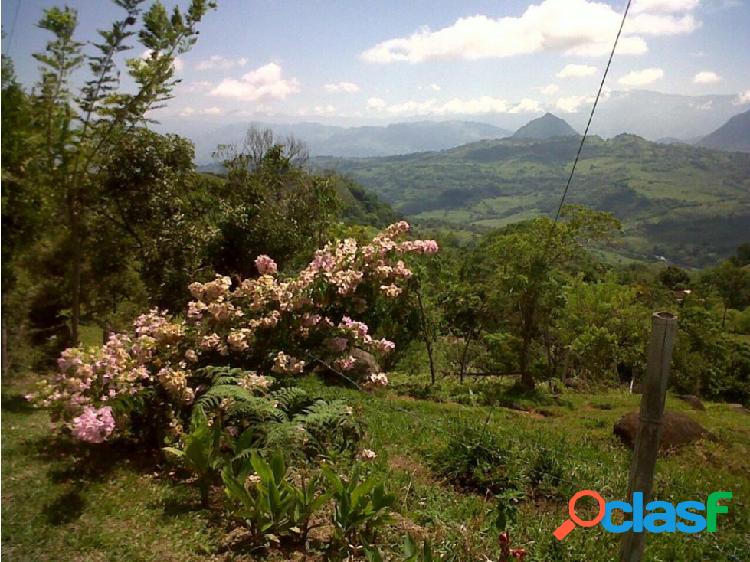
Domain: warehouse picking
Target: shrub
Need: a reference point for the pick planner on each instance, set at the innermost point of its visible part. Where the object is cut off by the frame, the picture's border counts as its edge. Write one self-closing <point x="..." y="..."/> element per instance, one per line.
<point x="361" y="506"/>
<point x="268" y="502"/>
<point x="475" y="459"/>
<point x="263" y="325"/>
<point x="201" y="452"/>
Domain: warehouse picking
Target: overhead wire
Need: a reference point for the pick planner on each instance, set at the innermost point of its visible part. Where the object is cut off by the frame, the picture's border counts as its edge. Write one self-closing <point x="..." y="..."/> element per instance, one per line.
<point x="591" y="115"/>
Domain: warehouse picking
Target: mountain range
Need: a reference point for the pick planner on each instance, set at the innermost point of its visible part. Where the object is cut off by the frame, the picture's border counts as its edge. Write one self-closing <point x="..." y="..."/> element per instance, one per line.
<point x="734" y="135"/>
<point x="396" y="138"/>
<point x="688" y="203"/>
<point x="651" y="115"/>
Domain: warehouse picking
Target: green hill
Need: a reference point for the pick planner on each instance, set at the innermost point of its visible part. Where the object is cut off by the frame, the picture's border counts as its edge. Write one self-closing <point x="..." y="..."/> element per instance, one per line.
<point x="734" y="135"/>
<point x="689" y="204"/>
<point x="545" y="127"/>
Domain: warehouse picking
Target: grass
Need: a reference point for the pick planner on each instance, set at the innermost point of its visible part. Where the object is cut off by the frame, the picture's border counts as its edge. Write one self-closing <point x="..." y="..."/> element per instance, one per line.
<point x="118" y="509"/>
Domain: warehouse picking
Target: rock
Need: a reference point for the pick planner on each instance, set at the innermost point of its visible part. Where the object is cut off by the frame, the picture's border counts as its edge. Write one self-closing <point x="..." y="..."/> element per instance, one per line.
<point x="365" y="365"/>
<point x="693" y="400"/>
<point x="739" y="408"/>
<point x="677" y="430"/>
<point x="576" y="384"/>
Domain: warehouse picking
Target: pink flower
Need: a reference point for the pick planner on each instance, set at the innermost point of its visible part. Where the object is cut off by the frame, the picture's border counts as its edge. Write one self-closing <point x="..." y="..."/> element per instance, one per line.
<point x="265" y="265"/>
<point x="367" y="454"/>
<point x="94" y="425"/>
<point x="346" y="363"/>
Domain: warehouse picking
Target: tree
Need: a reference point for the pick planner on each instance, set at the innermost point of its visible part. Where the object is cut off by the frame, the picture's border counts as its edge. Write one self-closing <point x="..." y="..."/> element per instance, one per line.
<point x="674" y="278"/>
<point x="601" y="330"/>
<point x="270" y="205"/>
<point x="79" y="128"/>
<point x="732" y="283"/>
<point x="521" y="267"/>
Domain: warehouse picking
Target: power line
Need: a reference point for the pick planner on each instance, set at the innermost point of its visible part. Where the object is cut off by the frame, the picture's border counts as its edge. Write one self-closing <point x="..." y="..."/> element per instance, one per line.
<point x="13" y="27"/>
<point x="591" y="115"/>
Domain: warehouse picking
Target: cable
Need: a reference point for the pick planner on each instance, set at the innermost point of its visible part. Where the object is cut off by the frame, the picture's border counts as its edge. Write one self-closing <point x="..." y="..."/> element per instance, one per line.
<point x="591" y="115"/>
<point x="13" y="28"/>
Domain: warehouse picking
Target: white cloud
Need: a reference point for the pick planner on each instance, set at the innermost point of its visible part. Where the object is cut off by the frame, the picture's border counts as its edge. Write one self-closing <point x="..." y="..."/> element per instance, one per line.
<point x="661" y="24"/>
<point x="188" y="111"/>
<point x="571" y="104"/>
<point x="376" y="104"/>
<point x="199" y="86"/>
<point x="457" y="106"/>
<point x="526" y="105"/>
<point x="435" y="87"/>
<point x="641" y="77"/>
<point x="549" y="89"/>
<point x="663" y="6"/>
<point x="342" y="87"/>
<point x="578" y="27"/>
<point x="262" y="84"/>
<point x="222" y="63"/>
<point x="706" y="77"/>
<point x="742" y="98"/>
<point x="324" y="109"/>
<point x="576" y="71"/>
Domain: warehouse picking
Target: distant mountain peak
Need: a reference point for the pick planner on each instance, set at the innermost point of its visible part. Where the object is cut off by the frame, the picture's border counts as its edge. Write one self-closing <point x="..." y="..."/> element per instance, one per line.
<point x="733" y="136"/>
<point x="545" y="127"/>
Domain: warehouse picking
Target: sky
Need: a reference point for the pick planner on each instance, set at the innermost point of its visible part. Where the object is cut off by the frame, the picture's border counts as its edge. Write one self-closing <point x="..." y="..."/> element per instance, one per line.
<point x="386" y="61"/>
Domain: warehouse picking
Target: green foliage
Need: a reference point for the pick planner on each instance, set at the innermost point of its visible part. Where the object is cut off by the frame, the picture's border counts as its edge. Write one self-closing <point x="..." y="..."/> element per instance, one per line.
<point x="361" y="505"/>
<point x="268" y="502"/>
<point x="671" y="198"/>
<point x="475" y="459"/>
<point x="707" y="361"/>
<point x="331" y="425"/>
<point x="412" y="553"/>
<point x="674" y="278"/>
<point x="271" y="205"/>
<point x="286" y="419"/>
<point x="201" y="451"/>
<point x="514" y="281"/>
<point x="602" y="328"/>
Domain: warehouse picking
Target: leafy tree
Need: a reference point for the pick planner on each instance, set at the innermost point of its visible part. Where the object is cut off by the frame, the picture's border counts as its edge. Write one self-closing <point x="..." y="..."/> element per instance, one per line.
<point x="522" y="268"/>
<point x="79" y="128"/>
<point x="674" y="278"/>
<point x="601" y="330"/>
<point x="732" y="283"/>
<point x="270" y="205"/>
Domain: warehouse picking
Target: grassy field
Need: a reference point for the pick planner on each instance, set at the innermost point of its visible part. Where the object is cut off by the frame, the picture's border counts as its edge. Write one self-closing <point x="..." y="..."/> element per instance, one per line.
<point x="120" y="509"/>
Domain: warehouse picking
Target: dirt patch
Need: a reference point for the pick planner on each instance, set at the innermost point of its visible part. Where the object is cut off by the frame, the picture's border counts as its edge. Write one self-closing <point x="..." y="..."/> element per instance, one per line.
<point x="411" y="466"/>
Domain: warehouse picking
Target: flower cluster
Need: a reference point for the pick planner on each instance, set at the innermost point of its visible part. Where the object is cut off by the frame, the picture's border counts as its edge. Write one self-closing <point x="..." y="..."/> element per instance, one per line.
<point x="94" y="425"/>
<point x="266" y="323"/>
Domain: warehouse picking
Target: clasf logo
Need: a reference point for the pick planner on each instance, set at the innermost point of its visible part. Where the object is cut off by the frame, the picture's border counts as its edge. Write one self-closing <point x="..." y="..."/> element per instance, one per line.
<point x="657" y="517"/>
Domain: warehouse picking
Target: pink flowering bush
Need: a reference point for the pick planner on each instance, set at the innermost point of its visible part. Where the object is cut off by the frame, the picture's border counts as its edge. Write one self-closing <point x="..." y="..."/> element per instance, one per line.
<point x="268" y="325"/>
<point x="94" y="425"/>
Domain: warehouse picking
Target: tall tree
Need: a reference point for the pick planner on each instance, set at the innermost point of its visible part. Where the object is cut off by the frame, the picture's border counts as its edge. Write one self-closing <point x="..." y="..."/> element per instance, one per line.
<point x="521" y="267"/>
<point x="79" y="126"/>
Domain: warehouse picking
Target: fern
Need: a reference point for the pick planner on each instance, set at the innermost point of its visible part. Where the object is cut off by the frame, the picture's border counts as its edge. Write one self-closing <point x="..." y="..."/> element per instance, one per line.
<point x="214" y="396"/>
<point x="255" y="409"/>
<point x="330" y="424"/>
<point x="292" y="400"/>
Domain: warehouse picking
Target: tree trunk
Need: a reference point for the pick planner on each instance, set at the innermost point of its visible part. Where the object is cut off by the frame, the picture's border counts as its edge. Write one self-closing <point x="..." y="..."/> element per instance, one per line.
<point x="527" y="379"/>
<point x="465" y="352"/>
<point x="77" y="257"/>
<point x="427" y="333"/>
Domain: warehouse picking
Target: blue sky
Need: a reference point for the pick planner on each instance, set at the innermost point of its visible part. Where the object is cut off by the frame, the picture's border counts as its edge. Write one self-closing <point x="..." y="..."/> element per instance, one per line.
<point x="394" y="60"/>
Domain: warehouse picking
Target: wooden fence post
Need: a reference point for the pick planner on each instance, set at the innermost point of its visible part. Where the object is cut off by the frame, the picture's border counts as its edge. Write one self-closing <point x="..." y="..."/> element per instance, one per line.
<point x="663" y="332"/>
